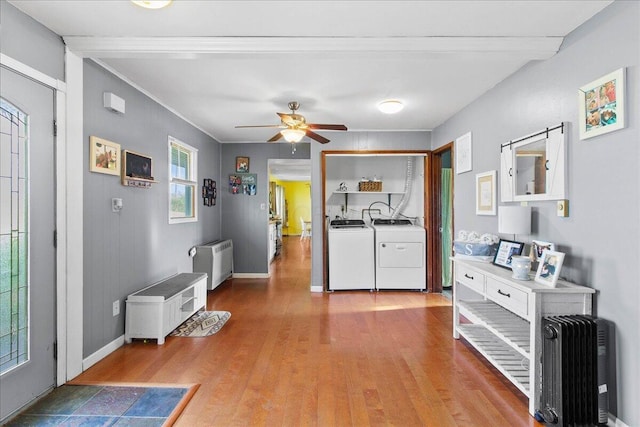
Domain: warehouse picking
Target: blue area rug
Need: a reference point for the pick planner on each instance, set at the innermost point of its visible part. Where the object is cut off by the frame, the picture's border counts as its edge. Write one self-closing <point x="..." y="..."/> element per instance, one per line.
<point x="107" y="405"/>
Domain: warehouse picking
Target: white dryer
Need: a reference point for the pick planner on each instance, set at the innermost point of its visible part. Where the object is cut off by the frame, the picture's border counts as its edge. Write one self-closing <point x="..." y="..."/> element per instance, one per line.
<point x="401" y="254"/>
<point x="351" y="255"/>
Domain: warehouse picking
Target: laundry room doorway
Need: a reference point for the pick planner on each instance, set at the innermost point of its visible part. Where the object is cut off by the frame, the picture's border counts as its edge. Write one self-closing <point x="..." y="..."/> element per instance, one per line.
<point x="371" y="186"/>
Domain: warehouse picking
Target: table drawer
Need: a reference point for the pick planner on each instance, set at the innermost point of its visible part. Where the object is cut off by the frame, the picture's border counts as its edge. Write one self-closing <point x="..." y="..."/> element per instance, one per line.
<point x="470" y="277"/>
<point x="508" y="296"/>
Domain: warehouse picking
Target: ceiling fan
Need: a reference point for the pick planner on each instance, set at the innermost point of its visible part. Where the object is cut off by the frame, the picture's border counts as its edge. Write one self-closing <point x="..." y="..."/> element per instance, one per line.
<point x="294" y="127"/>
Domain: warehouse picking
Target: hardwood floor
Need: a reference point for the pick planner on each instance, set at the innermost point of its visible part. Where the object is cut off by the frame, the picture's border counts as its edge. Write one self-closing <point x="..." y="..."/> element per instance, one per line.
<point x="291" y="357"/>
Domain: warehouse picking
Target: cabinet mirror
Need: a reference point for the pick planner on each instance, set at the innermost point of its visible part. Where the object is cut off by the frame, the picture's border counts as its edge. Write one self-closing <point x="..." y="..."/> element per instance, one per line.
<point x="531" y="168"/>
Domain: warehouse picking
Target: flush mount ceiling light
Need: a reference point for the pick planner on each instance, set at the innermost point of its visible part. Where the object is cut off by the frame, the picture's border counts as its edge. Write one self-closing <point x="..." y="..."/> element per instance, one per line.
<point x="293" y="135"/>
<point x="390" y="106"/>
<point x="152" y="4"/>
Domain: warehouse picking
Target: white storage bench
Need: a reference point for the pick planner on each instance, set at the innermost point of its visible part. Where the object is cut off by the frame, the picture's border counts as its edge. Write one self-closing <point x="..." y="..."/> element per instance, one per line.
<point x="155" y="311"/>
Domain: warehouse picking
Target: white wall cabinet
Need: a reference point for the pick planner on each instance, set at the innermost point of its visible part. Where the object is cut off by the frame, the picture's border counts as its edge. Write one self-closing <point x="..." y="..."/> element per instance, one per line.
<point x="534" y="167"/>
<point x="506" y="316"/>
<point x="155" y="311"/>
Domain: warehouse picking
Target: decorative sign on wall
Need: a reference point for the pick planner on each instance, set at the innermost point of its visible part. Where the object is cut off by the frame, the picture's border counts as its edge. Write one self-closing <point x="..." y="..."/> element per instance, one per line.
<point x="243" y="183"/>
<point x="209" y="192"/>
<point x="136" y="170"/>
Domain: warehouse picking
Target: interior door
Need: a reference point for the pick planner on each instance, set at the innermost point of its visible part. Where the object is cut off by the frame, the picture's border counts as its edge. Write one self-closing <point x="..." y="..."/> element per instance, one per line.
<point x="27" y="219"/>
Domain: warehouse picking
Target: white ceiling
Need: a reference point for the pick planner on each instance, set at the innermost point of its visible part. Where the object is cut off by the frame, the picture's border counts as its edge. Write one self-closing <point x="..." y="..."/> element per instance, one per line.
<point x="225" y="63"/>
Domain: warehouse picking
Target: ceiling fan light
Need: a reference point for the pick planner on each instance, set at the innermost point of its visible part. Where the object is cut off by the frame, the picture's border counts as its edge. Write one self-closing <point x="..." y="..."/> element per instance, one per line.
<point x="390" y="106"/>
<point x="293" y="135"/>
<point x="152" y="4"/>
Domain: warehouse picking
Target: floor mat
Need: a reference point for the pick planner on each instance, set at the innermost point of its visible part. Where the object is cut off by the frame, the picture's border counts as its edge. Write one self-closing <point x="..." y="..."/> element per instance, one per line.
<point x="202" y="324"/>
<point x="108" y="405"/>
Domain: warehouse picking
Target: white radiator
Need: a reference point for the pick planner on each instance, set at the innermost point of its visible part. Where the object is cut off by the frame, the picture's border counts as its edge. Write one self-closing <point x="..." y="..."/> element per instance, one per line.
<point x="215" y="259"/>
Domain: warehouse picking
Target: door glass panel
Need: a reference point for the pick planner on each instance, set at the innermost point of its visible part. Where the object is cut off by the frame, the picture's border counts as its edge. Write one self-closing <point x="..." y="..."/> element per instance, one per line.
<point x="14" y="291"/>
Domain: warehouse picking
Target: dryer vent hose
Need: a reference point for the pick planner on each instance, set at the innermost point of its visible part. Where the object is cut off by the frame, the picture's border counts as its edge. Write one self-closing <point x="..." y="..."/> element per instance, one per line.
<point x="407" y="190"/>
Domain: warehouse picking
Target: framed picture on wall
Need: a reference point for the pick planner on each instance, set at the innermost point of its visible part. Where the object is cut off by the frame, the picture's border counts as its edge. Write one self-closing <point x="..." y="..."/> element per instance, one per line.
<point x="601" y="105"/>
<point x="104" y="156"/>
<point x="463" y="153"/>
<point x="486" y="193"/>
<point x="242" y="164"/>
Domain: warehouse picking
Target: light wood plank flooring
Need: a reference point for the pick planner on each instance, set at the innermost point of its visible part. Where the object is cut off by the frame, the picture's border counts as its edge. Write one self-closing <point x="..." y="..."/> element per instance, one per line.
<point x="289" y="357"/>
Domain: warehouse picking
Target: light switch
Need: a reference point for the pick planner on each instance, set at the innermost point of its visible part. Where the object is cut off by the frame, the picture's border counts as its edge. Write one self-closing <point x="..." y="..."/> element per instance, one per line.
<point x="563" y="208"/>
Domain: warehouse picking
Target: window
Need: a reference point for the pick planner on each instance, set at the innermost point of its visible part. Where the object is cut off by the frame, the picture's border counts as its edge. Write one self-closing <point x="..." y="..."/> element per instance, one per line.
<point x="183" y="173"/>
<point x="14" y="238"/>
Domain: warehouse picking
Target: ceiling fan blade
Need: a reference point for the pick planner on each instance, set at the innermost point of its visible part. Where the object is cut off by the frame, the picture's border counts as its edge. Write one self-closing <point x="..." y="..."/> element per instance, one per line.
<point x="327" y="127"/>
<point x="275" y="137"/>
<point x="260" y="126"/>
<point x="321" y="139"/>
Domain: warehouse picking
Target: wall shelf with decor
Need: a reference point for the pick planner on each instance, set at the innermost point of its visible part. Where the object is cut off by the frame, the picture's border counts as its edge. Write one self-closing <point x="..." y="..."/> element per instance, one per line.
<point x="137" y="170"/>
<point x="346" y="195"/>
<point x="128" y="181"/>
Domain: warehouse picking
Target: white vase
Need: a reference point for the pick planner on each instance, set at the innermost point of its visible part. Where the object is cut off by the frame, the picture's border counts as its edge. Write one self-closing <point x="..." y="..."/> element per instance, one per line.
<point x="520" y="265"/>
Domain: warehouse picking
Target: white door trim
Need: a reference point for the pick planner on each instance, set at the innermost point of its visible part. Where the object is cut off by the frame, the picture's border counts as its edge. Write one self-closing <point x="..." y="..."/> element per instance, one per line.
<point x="64" y="268"/>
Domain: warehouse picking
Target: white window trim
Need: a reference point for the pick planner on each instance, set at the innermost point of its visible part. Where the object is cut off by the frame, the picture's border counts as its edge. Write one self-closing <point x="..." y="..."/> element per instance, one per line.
<point x="193" y="180"/>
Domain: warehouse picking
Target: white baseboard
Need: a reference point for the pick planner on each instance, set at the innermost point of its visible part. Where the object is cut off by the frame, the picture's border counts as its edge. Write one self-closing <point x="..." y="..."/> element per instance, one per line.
<point x="102" y="353"/>
<point x="615" y="422"/>
<point x="251" y="275"/>
<point x="317" y="289"/>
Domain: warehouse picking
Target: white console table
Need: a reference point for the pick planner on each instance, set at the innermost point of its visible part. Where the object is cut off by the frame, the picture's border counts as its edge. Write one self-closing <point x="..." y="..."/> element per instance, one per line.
<point x="505" y="318"/>
<point x="155" y="311"/>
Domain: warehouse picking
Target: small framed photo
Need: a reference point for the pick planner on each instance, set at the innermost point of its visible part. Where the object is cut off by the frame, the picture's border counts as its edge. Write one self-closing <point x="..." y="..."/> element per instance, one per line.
<point x="242" y="164"/>
<point x="104" y="156"/>
<point x="549" y="268"/>
<point x="486" y="193"/>
<point x="538" y="247"/>
<point x="601" y="105"/>
<point x="507" y="249"/>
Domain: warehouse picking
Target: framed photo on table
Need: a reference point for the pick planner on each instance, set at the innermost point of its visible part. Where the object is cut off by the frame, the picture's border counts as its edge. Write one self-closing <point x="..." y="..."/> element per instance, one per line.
<point x="538" y="247"/>
<point x="507" y="249"/>
<point x="549" y="268"/>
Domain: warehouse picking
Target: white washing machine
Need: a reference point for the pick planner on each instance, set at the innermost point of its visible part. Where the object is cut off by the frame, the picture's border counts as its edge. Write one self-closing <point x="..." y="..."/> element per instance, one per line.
<point x="351" y="255"/>
<point x="401" y="255"/>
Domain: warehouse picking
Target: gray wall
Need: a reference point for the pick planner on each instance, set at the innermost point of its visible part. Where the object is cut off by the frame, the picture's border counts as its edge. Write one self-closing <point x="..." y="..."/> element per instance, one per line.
<point x="349" y="141"/>
<point x="126" y="251"/>
<point x="243" y="220"/>
<point x="29" y="42"/>
<point x="601" y="235"/>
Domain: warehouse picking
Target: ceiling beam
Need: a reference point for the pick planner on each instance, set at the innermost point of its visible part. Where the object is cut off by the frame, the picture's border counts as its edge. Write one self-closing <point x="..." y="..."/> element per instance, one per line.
<point x="194" y="47"/>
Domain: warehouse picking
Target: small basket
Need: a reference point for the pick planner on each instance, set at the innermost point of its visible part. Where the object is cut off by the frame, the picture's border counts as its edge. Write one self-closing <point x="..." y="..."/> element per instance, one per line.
<point x="370" y="186"/>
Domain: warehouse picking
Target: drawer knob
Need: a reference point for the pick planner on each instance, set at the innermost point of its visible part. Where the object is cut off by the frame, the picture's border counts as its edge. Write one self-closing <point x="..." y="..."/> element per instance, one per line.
<point x="503" y="293"/>
<point x="467" y="276"/>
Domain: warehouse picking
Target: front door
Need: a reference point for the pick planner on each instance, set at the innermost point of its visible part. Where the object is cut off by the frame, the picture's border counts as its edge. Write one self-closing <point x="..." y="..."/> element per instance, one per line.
<point x="27" y="253"/>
